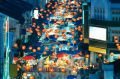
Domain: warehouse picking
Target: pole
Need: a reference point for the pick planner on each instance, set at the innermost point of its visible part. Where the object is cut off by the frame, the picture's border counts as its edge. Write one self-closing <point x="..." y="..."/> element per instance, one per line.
<point x="6" y="69"/>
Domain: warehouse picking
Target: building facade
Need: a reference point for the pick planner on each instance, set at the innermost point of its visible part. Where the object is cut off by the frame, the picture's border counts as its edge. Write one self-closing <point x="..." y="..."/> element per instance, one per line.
<point x="105" y="14"/>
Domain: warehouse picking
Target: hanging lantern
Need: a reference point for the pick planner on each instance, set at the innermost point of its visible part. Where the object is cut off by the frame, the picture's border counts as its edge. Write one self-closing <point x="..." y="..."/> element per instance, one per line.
<point x="44" y="52"/>
<point x="30" y="48"/>
<point x="51" y="70"/>
<point x="24" y="74"/>
<point x="27" y="29"/>
<point x="116" y="41"/>
<point x="32" y="77"/>
<point x="115" y="37"/>
<point x="53" y="7"/>
<point x="61" y="46"/>
<point x="40" y="69"/>
<point x="43" y="30"/>
<point x="34" y="50"/>
<point x="44" y="11"/>
<point x="74" y="42"/>
<point x="23" y="47"/>
<point x="47" y="14"/>
<point x="48" y="10"/>
<point x="72" y="32"/>
<point x="80" y="10"/>
<point x="38" y="27"/>
<point x="41" y="10"/>
<point x="15" y="45"/>
<point x="118" y="57"/>
<point x="48" y="18"/>
<point x="47" y="35"/>
<point x="68" y="44"/>
<point x="87" y="56"/>
<point x="80" y="53"/>
<point x="34" y="24"/>
<point x="117" y="44"/>
<point x="64" y="37"/>
<point x="43" y="24"/>
<point x="53" y="53"/>
<point x="53" y="47"/>
<point x="27" y="68"/>
<point x="80" y="39"/>
<point x="81" y="36"/>
<point x="18" y="69"/>
<point x="62" y="69"/>
<point x="118" y="47"/>
<point x="38" y="48"/>
<point x="99" y="55"/>
<point x="56" y="36"/>
<point x="112" y="54"/>
<point x="42" y="16"/>
<point x="38" y="33"/>
<point x="72" y="37"/>
<point x="46" y="48"/>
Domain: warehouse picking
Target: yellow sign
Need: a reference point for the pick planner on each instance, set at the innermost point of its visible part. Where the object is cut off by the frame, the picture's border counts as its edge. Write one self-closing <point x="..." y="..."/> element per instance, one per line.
<point x="96" y="49"/>
<point x="86" y="40"/>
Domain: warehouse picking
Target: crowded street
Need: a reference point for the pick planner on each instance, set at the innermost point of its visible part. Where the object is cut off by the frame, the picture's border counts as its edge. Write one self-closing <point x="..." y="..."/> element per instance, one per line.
<point x="59" y="39"/>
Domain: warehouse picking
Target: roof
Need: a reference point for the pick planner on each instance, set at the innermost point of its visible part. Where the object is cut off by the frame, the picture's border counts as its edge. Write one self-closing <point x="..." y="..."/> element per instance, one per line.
<point x="15" y="8"/>
<point x="114" y="1"/>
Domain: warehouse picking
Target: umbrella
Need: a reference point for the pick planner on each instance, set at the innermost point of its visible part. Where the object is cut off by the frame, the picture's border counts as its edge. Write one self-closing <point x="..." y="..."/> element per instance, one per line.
<point x="28" y="58"/>
<point x="15" y="59"/>
<point x="60" y="55"/>
<point x="76" y="56"/>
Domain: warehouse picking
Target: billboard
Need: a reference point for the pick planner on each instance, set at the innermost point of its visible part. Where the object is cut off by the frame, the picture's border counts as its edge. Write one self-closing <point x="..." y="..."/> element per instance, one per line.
<point x="97" y="33"/>
<point x="36" y="13"/>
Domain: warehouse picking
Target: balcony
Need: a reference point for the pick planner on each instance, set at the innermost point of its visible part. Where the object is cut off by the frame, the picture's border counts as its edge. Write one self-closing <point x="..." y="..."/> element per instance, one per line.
<point x="105" y="23"/>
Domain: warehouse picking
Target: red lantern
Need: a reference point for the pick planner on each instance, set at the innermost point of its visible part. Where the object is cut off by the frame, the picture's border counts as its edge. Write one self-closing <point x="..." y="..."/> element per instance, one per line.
<point x="27" y="68"/>
<point x="38" y="48"/>
<point x="38" y="27"/>
<point x="111" y="53"/>
<point x="72" y="32"/>
<point x="32" y="77"/>
<point x="46" y="48"/>
<point x="74" y="42"/>
<point x="118" y="57"/>
<point x="87" y="56"/>
<point x="15" y="45"/>
<point x="38" y="33"/>
<point x="80" y="39"/>
<point x="23" y="47"/>
<point x="43" y="24"/>
<point x="117" y="44"/>
<point x="72" y="37"/>
<point x="24" y="74"/>
<point x="115" y="37"/>
<point x="116" y="41"/>
<point x="81" y="36"/>
<point x="51" y="70"/>
<point x="34" y="24"/>
<point x="40" y="69"/>
<point x="42" y="16"/>
<point x="30" y="48"/>
<point x="56" y="36"/>
<point x="41" y="10"/>
<point x="62" y="69"/>
<point x="34" y="50"/>
<point x="44" y="53"/>
<point x="99" y="55"/>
